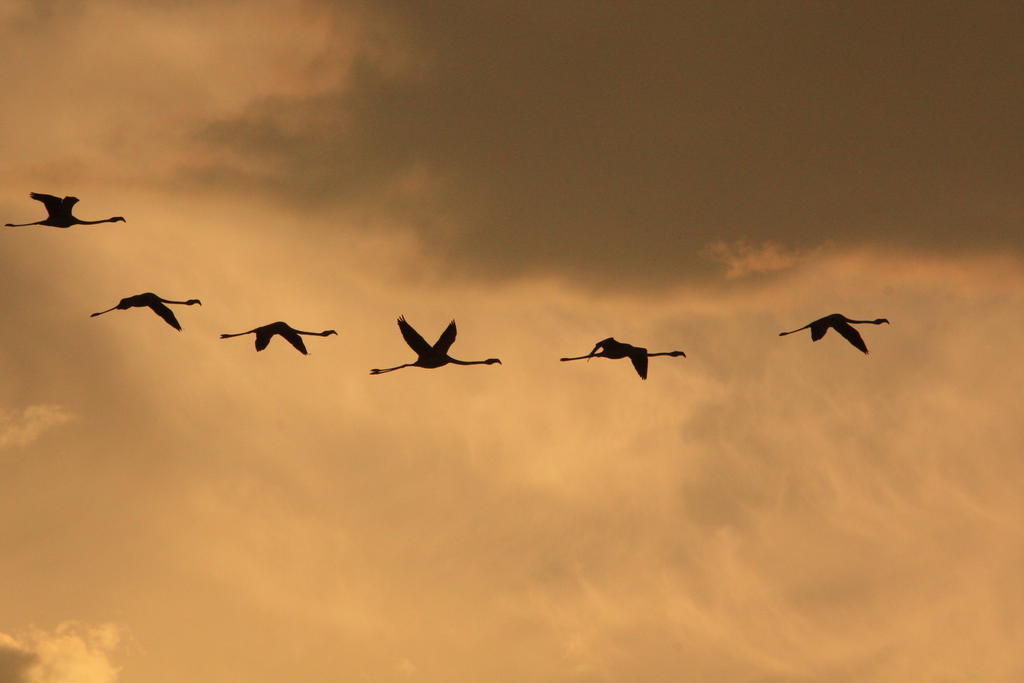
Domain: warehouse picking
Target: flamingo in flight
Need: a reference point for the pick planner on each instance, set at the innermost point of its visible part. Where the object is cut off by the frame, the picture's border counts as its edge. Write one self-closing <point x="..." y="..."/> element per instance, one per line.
<point x="841" y="324"/>
<point x="612" y="348"/>
<point x="265" y="332"/>
<point x="155" y="303"/>
<point x="431" y="356"/>
<point x="59" y="213"/>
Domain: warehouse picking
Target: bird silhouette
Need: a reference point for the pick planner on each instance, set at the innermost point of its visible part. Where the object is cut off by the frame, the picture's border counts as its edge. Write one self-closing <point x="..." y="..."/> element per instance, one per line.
<point x="265" y="332"/>
<point x="155" y="302"/>
<point x="612" y="348"/>
<point x="59" y="213"/>
<point x="431" y="356"/>
<point x="841" y="324"/>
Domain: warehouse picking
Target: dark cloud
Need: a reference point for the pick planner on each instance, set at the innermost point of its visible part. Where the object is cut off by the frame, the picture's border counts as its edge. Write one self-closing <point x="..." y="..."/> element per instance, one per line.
<point x="601" y="139"/>
<point x="15" y="664"/>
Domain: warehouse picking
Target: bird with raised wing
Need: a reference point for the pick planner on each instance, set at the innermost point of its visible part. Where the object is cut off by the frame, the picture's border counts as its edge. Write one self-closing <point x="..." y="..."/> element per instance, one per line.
<point x="59" y="213"/>
<point x="430" y="356"/>
<point x="841" y="324"/>
<point x="155" y="303"/>
<point x="612" y="348"/>
<point x="265" y="332"/>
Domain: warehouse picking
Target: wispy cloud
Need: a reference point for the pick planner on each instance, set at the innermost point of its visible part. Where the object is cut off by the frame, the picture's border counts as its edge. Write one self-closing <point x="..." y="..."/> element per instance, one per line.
<point x="742" y="258"/>
<point x="71" y="653"/>
<point x="23" y="427"/>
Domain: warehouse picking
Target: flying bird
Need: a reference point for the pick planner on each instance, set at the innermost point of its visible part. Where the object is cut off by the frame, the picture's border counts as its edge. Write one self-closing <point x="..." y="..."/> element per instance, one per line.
<point x="59" y="213"/>
<point x="841" y="324"/>
<point x="431" y="356"/>
<point x="265" y="332"/>
<point x="612" y="348"/>
<point x="155" y="302"/>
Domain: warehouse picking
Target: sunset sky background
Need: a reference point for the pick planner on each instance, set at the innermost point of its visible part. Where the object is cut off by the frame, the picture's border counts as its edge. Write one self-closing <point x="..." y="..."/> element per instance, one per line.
<point x="176" y="508"/>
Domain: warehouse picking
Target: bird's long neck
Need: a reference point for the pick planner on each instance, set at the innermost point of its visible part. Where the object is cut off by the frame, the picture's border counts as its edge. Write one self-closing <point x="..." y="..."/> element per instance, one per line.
<point x="315" y="334"/>
<point x="868" y="322"/>
<point x="472" y="362"/>
<point x="667" y="353"/>
<point x="105" y="220"/>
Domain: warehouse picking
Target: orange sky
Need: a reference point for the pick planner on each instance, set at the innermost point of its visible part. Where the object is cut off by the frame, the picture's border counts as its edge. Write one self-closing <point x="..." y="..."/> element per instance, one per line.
<point x="179" y="508"/>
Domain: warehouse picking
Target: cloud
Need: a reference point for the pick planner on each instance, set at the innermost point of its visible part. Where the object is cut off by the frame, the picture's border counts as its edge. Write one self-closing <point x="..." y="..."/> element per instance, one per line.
<point x="584" y="144"/>
<point x="623" y="140"/>
<point x="20" y="429"/>
<point x="741" y="258"/>
<point x="15" y="661"/>
<point x="765" y="508"/>
<point x="71" y="653"/>
<point x="731" y="518"/>
<point x="178" y="66"/>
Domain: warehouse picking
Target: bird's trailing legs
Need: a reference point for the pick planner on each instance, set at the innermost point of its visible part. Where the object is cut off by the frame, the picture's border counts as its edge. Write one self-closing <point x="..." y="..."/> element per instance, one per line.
<point x="381" y="371"/>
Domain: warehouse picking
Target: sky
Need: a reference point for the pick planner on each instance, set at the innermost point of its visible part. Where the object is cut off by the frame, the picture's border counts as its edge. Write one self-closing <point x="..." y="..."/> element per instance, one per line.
<point x="697" y="176"/>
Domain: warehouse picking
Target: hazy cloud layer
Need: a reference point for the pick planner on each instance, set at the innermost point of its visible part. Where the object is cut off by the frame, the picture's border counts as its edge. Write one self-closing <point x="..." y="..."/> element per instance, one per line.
<point x="71" y="653"/>
<point x="765" y="509"/>
<point x="589" y="139"/>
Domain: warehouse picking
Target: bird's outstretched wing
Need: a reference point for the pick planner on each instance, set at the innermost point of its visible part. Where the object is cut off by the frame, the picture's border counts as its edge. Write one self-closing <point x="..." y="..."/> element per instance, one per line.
<point x="638" y="358"/>
<point x="165" y="313"/>
<point x="68" y="203"/>
<point x="262" y="339"/>
<point x="447" y="338"/>
<point x="413" y="338"/>
<point x="295" y="340"/>
<point x="852" y="335"/>
<point x="52" y="204"/>
<point x="818" y="330"/>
